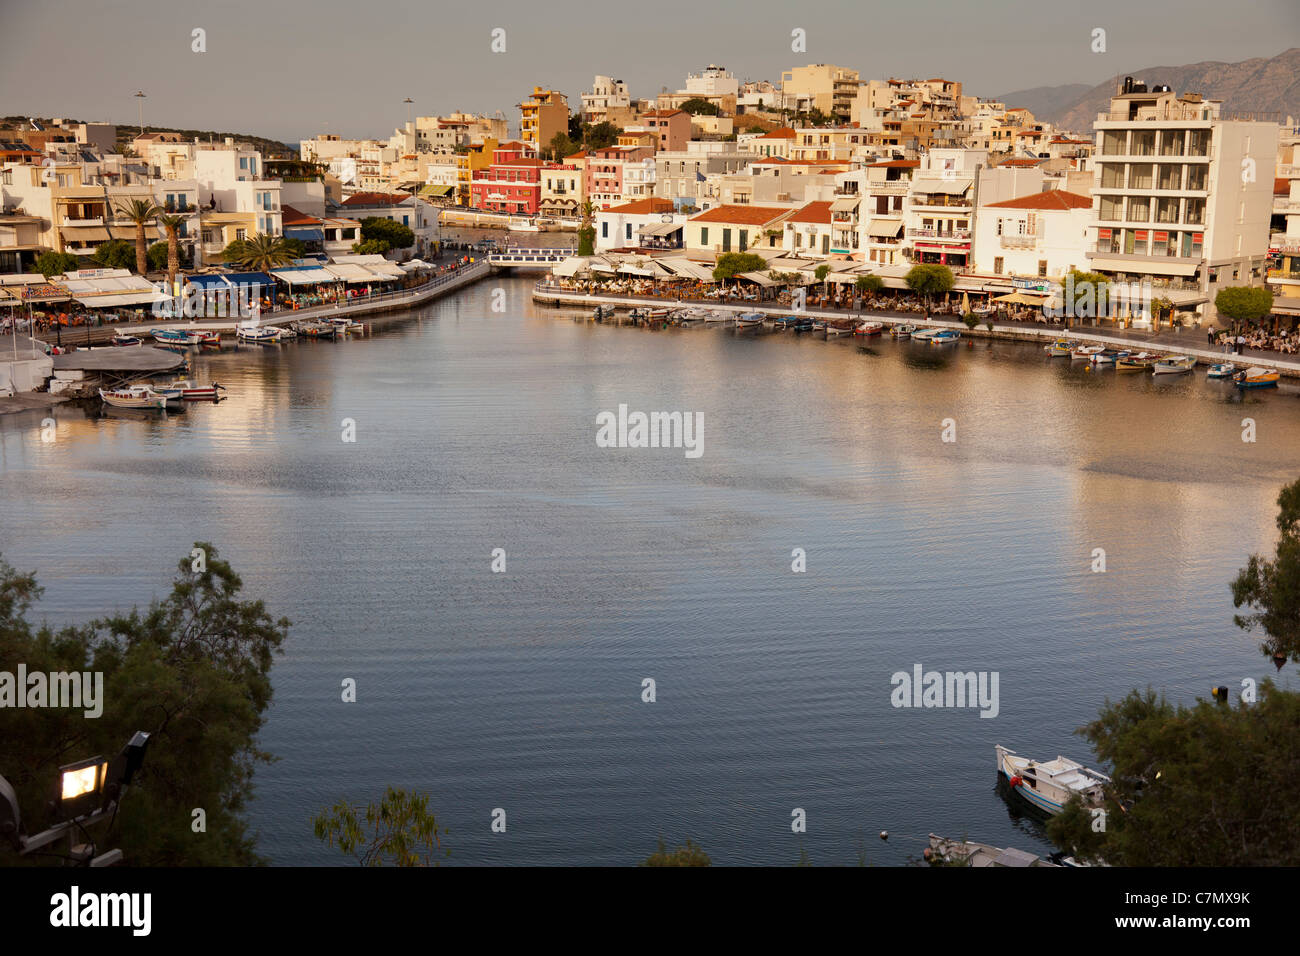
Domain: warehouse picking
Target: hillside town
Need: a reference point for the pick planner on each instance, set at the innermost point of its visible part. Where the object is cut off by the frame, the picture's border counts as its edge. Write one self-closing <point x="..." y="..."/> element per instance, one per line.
<point x="821" y="168"/>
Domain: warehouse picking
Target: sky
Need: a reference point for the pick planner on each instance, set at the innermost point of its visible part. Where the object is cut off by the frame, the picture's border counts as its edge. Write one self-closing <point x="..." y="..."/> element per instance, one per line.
<point x="290" y="69"/>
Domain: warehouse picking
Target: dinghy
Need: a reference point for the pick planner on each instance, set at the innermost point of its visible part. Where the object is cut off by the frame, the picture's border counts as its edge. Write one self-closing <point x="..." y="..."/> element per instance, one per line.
<point x="133" y="396"/>
<point x="1256" y="378"/>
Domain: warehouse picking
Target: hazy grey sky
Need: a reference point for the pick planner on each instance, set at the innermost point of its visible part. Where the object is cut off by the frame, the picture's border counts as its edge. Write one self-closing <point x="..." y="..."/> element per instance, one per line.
<point x="291" y="68"/>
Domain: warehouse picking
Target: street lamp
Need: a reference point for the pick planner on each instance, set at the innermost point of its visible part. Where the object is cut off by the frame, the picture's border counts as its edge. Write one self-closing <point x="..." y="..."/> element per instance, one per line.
<point x="86" y="792"/>
<point x="139" y="95"/>
<point x="408" y="101"/>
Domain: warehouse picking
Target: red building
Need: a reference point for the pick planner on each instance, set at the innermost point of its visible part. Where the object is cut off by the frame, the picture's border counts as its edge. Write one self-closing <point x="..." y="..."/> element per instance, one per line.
<point x="512" y="184"/>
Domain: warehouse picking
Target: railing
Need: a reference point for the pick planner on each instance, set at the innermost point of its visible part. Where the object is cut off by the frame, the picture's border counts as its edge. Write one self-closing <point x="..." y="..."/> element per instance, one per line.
<point x="956" y="234"/>
<point x="1289" y="171"/>
<point x="93" y="221"/>
<point x="940" y="201"/>
<point x="473" y="271"/>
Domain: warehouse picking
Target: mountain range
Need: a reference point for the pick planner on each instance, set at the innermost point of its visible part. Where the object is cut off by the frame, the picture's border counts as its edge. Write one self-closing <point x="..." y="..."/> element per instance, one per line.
<point x="1264" y="84"/>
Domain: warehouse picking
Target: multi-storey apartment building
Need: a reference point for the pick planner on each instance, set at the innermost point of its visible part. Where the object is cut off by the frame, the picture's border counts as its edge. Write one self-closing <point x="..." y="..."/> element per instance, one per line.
<point x="606" y="93"/>
<point x="1041" y="234"/>
<point x="1182" y="194"/>
<point x="940" y="204"/>
<point x="512" y="184"/>
<point x="821" y="86"/>
<point x="541" y="116"/>
<point x="562" y="190"/>
<point x="1284" y="246"/>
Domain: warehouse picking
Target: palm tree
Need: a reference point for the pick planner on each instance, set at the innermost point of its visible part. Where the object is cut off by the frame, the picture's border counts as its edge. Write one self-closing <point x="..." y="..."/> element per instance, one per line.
<point x="262" y="253"/>
<point x="140" y="212"/>
<point x="172" y="225"/>
<point x="587" y="234"/>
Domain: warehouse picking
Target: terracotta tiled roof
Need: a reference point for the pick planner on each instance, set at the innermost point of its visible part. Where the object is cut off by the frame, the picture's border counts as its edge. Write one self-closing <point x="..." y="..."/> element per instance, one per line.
<point x="1052" y="199"/>
<point x="742" y="214"/>
<point x="644" y="207"/>
<point x="375" y="199"/>
<point x="785" y="132"/>
<point x="1281" y="187"/>
<point x="293" y="217"/>
<point x="1020" y="162"/>
<point x="896" y="164"/>
<point x="817" y="211"/>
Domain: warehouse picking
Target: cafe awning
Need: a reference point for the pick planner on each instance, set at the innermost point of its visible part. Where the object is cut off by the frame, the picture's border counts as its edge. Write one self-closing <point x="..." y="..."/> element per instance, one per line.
<point x="846" y="204"/>
<point x="758" y="278"/>
<point x="350" y="272"/>
<point x="302" y="276"/>
<point x="570" y="266"/>
<point x="661" y="229"/>
<point x="86" y="233"/>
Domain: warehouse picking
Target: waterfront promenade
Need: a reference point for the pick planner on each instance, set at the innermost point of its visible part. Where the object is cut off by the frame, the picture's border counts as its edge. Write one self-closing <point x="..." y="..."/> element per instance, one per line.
<point x="1178" y="341"/>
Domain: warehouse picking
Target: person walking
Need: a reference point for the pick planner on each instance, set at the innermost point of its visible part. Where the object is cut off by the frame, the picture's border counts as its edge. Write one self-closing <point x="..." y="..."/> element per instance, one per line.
<point x="1210" y="336"/>
<point x="1241" y="343"/>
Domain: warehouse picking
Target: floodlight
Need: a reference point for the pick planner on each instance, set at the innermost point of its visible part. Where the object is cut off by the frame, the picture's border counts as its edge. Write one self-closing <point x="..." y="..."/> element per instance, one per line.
<point x="80" y="783"/>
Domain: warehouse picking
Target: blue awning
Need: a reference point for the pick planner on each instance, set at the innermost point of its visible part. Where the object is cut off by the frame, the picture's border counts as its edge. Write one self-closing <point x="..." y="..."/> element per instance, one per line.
<point x="208" y="282"/>
<point x="250" y="278"/>
<point x="306" y="235"/>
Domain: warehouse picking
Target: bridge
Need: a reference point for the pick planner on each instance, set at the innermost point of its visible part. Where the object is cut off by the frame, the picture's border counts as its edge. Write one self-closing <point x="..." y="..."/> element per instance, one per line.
<point x="529" y="258"/>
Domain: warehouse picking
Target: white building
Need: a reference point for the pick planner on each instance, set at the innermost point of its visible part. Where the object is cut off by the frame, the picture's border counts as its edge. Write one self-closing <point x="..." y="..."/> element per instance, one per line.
<point x="606" y="92"/>
<point x="1182" y="197"/>
<point x="940" y="204"/>
<point x="1039" y="235"/>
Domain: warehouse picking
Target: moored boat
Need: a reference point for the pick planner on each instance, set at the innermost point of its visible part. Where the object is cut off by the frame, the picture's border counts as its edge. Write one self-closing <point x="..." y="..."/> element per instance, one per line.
<point x="1086" y="352"/>
<point x="945" y="337"/>
<point x="123" y="339"/>
<point x="1222" y="370"/>
<point x="200" y="337"/>
<point x="833" y="331"/>
<point x="191" y="391"/>
<point x="1174" y="365"/>
<point x="869" y="328"/>
<point x="904" y="331"/>
<point x="1049" y="784"/>
<point x="263" y="334"/>
<point x="750" y="320"/>
<point x="171" y="338"/>
<point x="1108" y="356"/>
<point x="603" y="312"/>
<point x="1256" y="378"/>
<point x="1137" y="361"/>
<point x="923" y="335"/>
<point x="133" y="396"/>
<point x="1060" y="348"/>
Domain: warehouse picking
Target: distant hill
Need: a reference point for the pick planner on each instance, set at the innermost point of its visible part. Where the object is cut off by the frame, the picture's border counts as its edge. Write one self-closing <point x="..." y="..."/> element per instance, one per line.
<point x="1046" y="101"/>
<point x="1264" y="84"/>
<point x="269" y="148"/>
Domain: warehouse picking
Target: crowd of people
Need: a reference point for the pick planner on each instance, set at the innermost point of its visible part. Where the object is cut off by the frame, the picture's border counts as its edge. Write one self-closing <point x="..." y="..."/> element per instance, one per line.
<point x="1257" y="337"/>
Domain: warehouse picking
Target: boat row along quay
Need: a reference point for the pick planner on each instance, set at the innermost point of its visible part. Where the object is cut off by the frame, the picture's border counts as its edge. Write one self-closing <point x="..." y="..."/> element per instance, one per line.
<point x="1109" y="343"/>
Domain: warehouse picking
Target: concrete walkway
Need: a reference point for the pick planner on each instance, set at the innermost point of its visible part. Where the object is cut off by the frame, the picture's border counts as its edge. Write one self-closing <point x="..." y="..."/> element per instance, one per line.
<point x="1183" y="342"/>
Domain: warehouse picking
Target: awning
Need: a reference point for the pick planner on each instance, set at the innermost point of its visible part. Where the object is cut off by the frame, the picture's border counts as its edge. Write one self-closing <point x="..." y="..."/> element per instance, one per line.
<point x="208" y="282"/>
<point x="305" y="235"/>
<point x="126" y="232"/>
<point x="302" y="276"/>
<point x="688" y="270"/>
<point x="115" y="300"/>
<point x="951" y="187"/>
<point x="847" y="204"/>
<point x="351" y="272"/>
<point x="1146" y="265"/>
<point x="628" y="268"/>
<point x="570" y="266"/>
<point x="885" y="228"/>
<point x="87" y="233"/>
<point x="661" y="229"/>
<point x="1024" y="298"/>
<point x="432" y="190"/>
<point x="249" y="278"/>
<point x="758" y="278"/>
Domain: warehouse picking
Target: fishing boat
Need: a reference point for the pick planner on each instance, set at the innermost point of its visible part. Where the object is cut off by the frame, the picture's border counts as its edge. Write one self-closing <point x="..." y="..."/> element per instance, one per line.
<point x="1256" y="378"/>
<point x="1137" y="362"/>
<point x="869" y="328"/>
<point x="1060" y="348"/>
<point x="287" y="332"/>
<point x="258" y="334"/>
<point x="945" y="337"/>
<point x="200" y="337"/>
<point x="524" y="227"/>
<point x="171" y="338"/>
<point x="191" y="391"/>
<point x="317" y="330"/>
<point x="169" y="392"/>
<point x="133" y="396"/>
<point x="819" y="325"/>
<point x="123" y="339"/>
<point x="1174" y="365"/>
<point x="1108" y="356"/>
<point x="804" y="324"/>
<point x="344" y="324"/>
<point x="1086" y="352"/>
<point x="1048" y="785"/>
<point x="1222" y="370"/>
<point x="782" y="322"/>
<point x="923" y="335"/>
<point x="834" y="331"/>
<point x="750" y="320"/>
<point x="904" y="331"/>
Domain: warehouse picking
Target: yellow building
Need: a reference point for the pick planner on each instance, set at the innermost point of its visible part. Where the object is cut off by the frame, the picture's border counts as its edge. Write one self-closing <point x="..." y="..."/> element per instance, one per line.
<point x="542" y="116"/>
<point x="469" y="159"/>
<point x="822" y="86"/>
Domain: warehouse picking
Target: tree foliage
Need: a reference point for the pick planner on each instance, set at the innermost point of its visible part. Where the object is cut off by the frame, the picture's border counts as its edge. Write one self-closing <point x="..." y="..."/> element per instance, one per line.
<point x="116" y="254"/>
<point x="1270" y="589"/>
<point x="929" y="280"/>
<point x="732" y="264"/>
<point x="1208" y="785"/>
<point x="386" y="230"/>
<point x="50" y="263"/>
<point x="688" y="855"/>
<point x="698" y="106"/>
<point x="399" y="830"/>
<point x="868" y="284"/>
<point x="1244" y="304"/>
<point x="193" y="670"/>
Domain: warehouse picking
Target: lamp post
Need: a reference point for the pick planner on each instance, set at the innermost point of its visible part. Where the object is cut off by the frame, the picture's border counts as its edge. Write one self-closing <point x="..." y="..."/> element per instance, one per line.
<point x="408" y="101"/>
<point x="139" y="95"/>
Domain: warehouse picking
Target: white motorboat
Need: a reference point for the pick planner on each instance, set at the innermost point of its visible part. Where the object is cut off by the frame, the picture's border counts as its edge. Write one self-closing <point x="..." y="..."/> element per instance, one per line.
<point x="254" y="332"/>
<point x="924" y="335"/>
<point x="133" y="396"/>
<point x="1049" y="784"/>
<point x="1087" y="352"/>
<point x="1174" y="365"/>
<point x="1060" y="348"/>
<point x="1222" y="370"/>
<point x="750" y="320"/>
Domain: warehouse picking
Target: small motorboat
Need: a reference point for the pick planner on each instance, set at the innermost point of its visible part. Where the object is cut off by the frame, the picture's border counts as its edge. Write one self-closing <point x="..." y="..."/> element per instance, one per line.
<point x="804" y="324"/>
<point x="1137" y="361"/>
<point x="133" y="396"/>
<point x="171" y="338"/>
<point x="945" y="337"/>
<point x="750" y="320"/>
<point x="1060" y="348"/>
<point x="923" y="335"/>
<point x="1256" y="378"/>
<point x="123" y="339"/>
<point x="1086" y="352"/>
<point x="257" y="334"/>
<point x="1048" y="785"/>
<point x="834" y="331"/>
<point x="869" y="328"/>
<point x="1108" y="356"/>
<point x="783" y="322"/>
<point x="1174" y="365"/>
<point x="287" y="333"/>
<point x="191" y="391"/>
<point x="904" y="331"/>
<point x="198" y="337"/>
<point x="1222" y="370"/>
<point x="317" y="330"/>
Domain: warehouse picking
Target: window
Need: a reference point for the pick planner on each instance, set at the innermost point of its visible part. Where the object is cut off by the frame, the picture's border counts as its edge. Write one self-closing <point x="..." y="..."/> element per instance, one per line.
<point x="1139" y="209"/>
<point x="997" y="266"/>
<point x="726" y="240"/>
<point x="1167" y="210"/>
<point x="1042" y="267"/>
<point x="1197" y="177"/>
<point x="628" y="231"/>
<point x="1171" y="177"/>
<point x="1140" y="176"/>
<point x="1144" y="142"/>
<point x="1194" y="212"/>
<point x="1112" y="175"/>
<point x="604" y="230"/>
<point x="240" y="234"/>
<point x="744" y="239"/>
<point x="704" y="236"/>
<point x="1171" y="143"/>
<point x="1198" y="142"/>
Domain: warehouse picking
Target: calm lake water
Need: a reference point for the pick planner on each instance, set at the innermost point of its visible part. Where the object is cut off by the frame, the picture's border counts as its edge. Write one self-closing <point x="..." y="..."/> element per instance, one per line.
<point x="522" y="690"/>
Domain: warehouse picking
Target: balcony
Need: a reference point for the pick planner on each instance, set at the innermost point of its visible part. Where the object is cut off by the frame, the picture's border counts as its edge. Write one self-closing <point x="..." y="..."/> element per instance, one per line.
<point x="94" y="221"/>
<point x="887" y="189"/>
<point x="940" y="202"/>
<point x="952" y="235"/>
